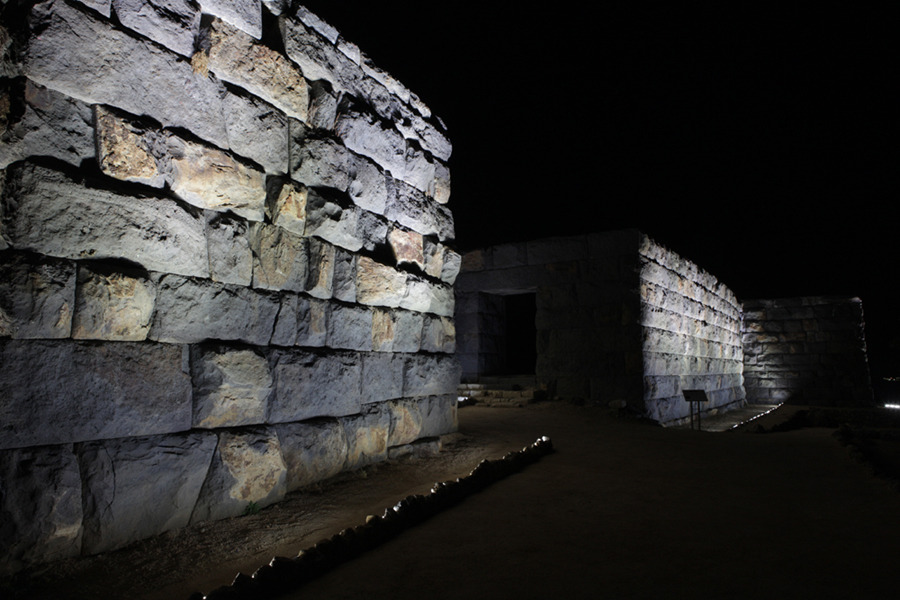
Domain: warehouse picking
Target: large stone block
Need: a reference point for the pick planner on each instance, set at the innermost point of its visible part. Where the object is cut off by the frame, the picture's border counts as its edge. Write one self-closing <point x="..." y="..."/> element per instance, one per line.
<point x="286" y="206"/>
<point x="189" y="311"/>
<point x="247" y="466"/>
<point x="313" y="450"/>
<point x="230" y="258"/>
<point x="328" y="219"/>
<point x="236" y="57"/>
<point x="246" y="15"/>
<point x="122" y="389"/>
<point x="430" y="375"/>
<point x="86" y="58"/>
<point x="138" y="487"/>
<point x="256" y="130"/>
<point x="309" y="385"/>
<point x="378" y="284"/>
<point x="280" y="258"/>
<point x="407" y="331"/>
<point x="37" y="297"/>
<point x="112" y="305"/>
<point x="231" y="386"/>
<point x="301" y="322"/>
<point x="367" y="436"/>
<point x="350" y="327"/>
<point x="40" y="506"/>
<point x="127" y="150"/>
<point x="439" y="415"/>
<point x="413" y="209"/>
<point x="45" y="211"/>
<point x="320" y="279"/>
<point x="382" y="376"/>
<point x="427" y="297"/>
<point x="51" y="124"/>
<point x="172" y="23"/>
<point x="408" y="247"/>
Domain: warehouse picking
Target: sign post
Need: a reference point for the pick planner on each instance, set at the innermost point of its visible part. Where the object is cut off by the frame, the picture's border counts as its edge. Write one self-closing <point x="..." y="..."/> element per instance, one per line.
<point x="695" y="397"/>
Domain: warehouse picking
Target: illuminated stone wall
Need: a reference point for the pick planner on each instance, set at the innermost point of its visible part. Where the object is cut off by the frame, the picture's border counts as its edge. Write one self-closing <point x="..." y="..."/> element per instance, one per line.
<point x="806" y="351"/>
<point x="225" y="269"/>
<point x="619" y="320"/>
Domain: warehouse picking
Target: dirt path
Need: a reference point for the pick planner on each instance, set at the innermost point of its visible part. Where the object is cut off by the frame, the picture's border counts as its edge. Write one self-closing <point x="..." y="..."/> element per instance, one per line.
<point x="621" y="510"/>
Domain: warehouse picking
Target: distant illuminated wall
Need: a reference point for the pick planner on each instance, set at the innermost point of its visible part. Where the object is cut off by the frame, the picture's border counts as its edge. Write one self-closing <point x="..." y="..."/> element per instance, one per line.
<point x="225" y="267"/>
<point x="806" y="351"/>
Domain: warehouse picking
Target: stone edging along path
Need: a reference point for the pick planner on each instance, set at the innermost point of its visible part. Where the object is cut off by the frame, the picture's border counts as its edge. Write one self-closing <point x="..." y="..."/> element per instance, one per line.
<point x="283" y="574"/>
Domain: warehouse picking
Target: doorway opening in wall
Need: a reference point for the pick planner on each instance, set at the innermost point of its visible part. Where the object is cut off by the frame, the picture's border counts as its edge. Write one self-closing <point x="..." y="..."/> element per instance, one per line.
<point x="519" y="335"/>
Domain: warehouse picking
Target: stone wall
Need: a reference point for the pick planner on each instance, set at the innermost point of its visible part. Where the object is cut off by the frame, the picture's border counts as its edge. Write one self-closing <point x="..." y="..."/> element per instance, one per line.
<point x="691" y="335"/>
<point x="620" y="320"/>
<point x="225" y="269"/>
<point x="806" y="351"/>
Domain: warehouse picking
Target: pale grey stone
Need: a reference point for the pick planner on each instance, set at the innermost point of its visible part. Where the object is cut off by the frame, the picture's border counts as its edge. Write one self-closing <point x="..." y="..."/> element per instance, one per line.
<point x="367" y="436"/>
<point x="135" y="488"/>
<point x="101" y="6"/>
<point x="246" y="467"/>
<point x="407" y="331"/>
<point x="122" y="389"/>
<point x="378" y="284"/>
<point x="309" y="385"/>
<point x="372" y="230"/>
<point x="52" y="124"/>
<point x="382" y="376"/>
<point x="280" y="258"/>
<point x="87" y="59"/>
<point x="40" y="506"/>
<point x="189" y="311"/>
<point x="37" y="297"/>
<point x="439" y="415"/>
<point x="350" y="327"/>
<point x="231" y="386"/>
<point x="301" y="322"/>
<point x="246" y="15"/>
<point x="439" y="335"/>
<point x="172" y="23"/>
<point x="328" y="219"/>
<point x="430" y="375"/>
<point x="451" y="265"/>
<point x="313" y="21"/>
<point x="256" y="130"/>
<point x="427" y="297"/>
<point x="313" y="450"/>
<point x="230" y="259"/>
<point x="112" y="305"/>
<point x="344" y="283"/>
<point x="406" y="421"/>
<point x="322" y="162"/>
<point x="411" y="208"/>
<point x="47" y="212"/>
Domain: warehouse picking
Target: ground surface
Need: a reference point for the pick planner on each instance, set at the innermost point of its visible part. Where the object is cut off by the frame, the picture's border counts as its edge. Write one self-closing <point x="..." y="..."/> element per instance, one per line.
<point x="622" y="509"/>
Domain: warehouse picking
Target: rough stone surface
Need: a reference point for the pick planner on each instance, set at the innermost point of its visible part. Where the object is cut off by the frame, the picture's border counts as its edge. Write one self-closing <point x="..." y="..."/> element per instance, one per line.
<point x="139" y="487"/>
<point x="123" y="389"/>
<point x="189" y="311"/>
<point x="40" y="506"/>
<point x="350" y="327"/>
<point x="309" y="385"/>
<point x="329" y="220"/>
<point x="313" y="450"/>
<point x="408" y="247"/>
<point x="246" y="15"/>
<point x="234" y="56"/>
<point x="286" y="207"/>
<point x="301" y="322"/>
<point x="47" y="212"/>
<point x="367" y="436"/>
<point x="280" y="258"/>
<point x="430" y="375"/>
<point x="172" y="23"/>
<point x="378" y="284"/>
<point x="126" y="150"/>
<point x="51" y="124"/>
<point x="256" y="130"/>
<point x="246" y="467"/>
<point x="110" y="305"/>
<point x="382" y="376"/>
<point x="230" y="258"/>
<point x="37" y="297"/>
<point x="320" y="280"/>
<point x="231" y="386"/>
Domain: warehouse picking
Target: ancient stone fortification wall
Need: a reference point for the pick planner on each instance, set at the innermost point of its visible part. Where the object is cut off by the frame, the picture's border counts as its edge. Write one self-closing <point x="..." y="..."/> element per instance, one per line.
<point x="618" y="318"/>
<point x="224" y="270"/>
<point x="691" y="335"/>
<point x="806" y="351"/>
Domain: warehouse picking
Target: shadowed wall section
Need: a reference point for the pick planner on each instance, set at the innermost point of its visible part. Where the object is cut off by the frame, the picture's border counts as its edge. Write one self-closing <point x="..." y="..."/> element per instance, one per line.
<point x="225" y="267"/>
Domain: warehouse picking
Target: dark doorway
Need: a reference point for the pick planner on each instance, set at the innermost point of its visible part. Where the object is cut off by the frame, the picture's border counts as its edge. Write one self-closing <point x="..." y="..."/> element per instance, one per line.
<point x="519" y="334"/>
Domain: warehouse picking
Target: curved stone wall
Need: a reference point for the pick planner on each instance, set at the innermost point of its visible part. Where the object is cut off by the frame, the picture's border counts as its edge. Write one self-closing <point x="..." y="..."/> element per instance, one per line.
<point x="225" y="267"/>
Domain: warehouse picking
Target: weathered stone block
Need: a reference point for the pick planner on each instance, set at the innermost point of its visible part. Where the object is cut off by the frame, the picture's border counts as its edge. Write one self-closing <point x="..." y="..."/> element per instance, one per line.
<point x="85" y="58"/>
<point x="322" y="106"/>
<point x="286" y="206"/>
<point x="407" y="331"/>
<point x="406" y="421"/>
<point x="327" y="219"/>
<point x="378" y="284"/>
<point x="37" y="297"/>
<point x="301" y="322"/>
<point x="411" y="208"/>
<point x="313" y="450"/>
<point x="344" y="282"/>
<point x="246" y="15"/>
<point x="408" y="247"/>
<point x="439" y="335"/>
<point x="231" y="386"/>
<point x="47" y="212"/>
<point x="309" y="385"/>
<point x="367" y="436"/>
<point x="138" y="487"/>
<point x="52" y="124"/>
<point x="40" y="506"/>
<point x="439" y="415"/>
<point x="210" y="178"/>
<point x="382" y="376"/>
<point x="382" y="330"/>
<point x="256" y="130"/>
<point x="430" y="375"/>
<point x="350" y="327"/>
<point x="230" y="258"/>
<point x="112" y="305"/>
<point x="189" y="311"/>
<point x="236" y="57"/>
<point x="127" y="151"/>
<point x="247" y="466"/>
<point x="320" y="279"/>
<point x="122" y="389"/>
<point x="172" y="23"/>
<point x="280" y="259"/>
<point x="425" y="296"/>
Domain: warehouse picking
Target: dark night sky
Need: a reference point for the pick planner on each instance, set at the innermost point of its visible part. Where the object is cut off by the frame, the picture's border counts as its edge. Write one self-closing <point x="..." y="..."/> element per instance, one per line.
<point x="750" y="140"/>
